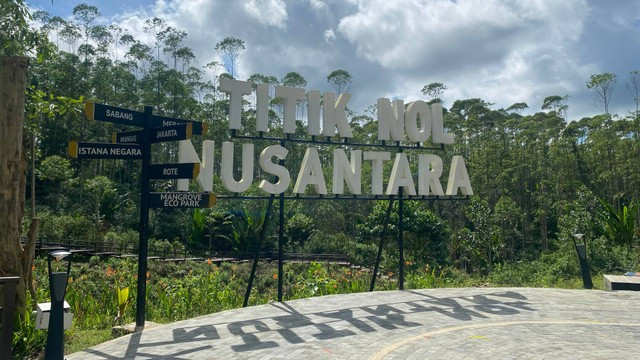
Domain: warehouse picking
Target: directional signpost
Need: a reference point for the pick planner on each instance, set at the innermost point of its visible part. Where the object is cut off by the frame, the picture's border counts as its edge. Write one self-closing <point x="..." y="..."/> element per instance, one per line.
<point x="103" y="151"/>
<point x="171" y="133"/>
<point x="113" y="114"/>
<point x="181" y="200"/>
<point x="128" y="137"/>
<point x="174" y="132"/>
<point x="135" y="145"/>
<point x="174" y="171"/>
<point x="199" y="128"/>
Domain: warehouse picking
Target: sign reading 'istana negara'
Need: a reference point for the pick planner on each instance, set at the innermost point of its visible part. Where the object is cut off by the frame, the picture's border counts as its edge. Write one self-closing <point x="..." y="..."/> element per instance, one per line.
<point x="327" y="117"/>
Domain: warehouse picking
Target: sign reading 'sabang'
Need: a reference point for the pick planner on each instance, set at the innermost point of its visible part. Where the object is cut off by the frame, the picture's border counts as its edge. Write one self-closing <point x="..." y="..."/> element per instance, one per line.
<point x="326" y="116"/>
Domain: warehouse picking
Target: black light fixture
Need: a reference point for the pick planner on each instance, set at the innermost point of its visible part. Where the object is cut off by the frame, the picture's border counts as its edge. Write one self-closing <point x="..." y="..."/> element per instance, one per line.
<point x="581" y="249"/>
<point x="58" y="288"/>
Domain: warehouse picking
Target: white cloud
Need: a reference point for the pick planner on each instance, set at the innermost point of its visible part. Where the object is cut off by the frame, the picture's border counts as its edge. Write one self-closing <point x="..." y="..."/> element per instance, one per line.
<point x="407" y="34"/>
<point x="501" y="51"/>
<point x="329" y="35"/>
<point x="318" y="4"/>
<point x="268" y="12"/>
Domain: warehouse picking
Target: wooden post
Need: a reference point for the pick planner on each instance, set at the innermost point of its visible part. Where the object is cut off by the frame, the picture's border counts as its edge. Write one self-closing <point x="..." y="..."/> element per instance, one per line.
<point x="13" y="81"/>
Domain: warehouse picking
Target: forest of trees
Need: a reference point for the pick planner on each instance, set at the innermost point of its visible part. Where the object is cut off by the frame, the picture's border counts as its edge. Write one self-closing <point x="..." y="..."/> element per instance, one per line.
<point x="537" y="178"/>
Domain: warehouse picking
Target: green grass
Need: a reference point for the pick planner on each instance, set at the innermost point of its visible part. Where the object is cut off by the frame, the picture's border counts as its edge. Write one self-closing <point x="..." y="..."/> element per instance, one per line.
<point x="77" y="340"/>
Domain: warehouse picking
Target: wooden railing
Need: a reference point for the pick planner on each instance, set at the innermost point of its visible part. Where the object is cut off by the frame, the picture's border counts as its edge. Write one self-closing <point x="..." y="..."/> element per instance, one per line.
<point x="97" y="248"/>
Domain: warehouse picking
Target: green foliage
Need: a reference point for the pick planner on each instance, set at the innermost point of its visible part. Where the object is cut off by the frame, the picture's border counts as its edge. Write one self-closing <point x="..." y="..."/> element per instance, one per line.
<point x="340" y="79"/>
<point x="231" y="47"/>
<point x="426" y="235"/>
<point x="123" y="301"/>
<point x="433" y="91"/>
<point x="298" y="229"/>
<point x="221" y="229"/>
<point x="603" y="85"/>
<point x="101" y="197"/>
<point x="55" y="169"/>
<point x="619" y="226"/>
<point x="126" y="239"/>
<point x="63" y="227"/>
<point x="246" y="231"/>
<point x="17" y="38"/>
<point x="198" y="227"/>
<point x="166" y="248"/>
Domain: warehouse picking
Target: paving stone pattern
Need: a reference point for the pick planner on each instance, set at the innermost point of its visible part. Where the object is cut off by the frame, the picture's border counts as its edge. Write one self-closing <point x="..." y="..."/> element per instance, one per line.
<point x="470" y="323"/>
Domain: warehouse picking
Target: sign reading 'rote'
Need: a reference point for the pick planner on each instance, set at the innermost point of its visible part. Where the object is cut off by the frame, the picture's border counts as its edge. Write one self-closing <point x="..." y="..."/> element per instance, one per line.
<point x="79" y="150"/>
<point x="181" y="200"/>
<point x="174" y="171"/>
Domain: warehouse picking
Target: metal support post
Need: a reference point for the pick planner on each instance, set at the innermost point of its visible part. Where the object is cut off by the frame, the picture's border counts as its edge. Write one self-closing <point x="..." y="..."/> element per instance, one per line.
<point x="401" y="240"/>
<point x="381" y="246"/>
<point x="281" y="239"/>
<point x="263" y="231"/>
<point x="145" y="145"/>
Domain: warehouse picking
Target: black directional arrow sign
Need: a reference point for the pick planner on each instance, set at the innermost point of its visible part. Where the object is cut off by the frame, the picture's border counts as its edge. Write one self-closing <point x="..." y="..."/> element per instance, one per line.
<point x="171" y="133"/>
<point x="79" y="150"/>
<point x="181" y="200"/>
<point x="174" y="171"/>
<point x="161" y="134"/>
<point x="113" y="114"/>
<point x="199" y="128"/>
<point x="128" y="137"/>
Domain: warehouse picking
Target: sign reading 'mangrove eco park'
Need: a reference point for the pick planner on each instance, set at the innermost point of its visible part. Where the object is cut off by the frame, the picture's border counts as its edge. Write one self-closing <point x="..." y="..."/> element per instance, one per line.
<point x="417" y="126"/>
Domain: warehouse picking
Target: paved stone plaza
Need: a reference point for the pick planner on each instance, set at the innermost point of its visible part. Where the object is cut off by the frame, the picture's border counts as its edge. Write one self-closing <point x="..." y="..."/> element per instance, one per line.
<point x="470" y="323"/>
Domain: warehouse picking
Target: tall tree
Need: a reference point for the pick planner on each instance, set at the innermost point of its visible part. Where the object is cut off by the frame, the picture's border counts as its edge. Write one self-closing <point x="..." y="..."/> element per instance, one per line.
<point x="70" y="34"/>
<point x="17" y="39"/>
<point x="85" y="15"/>
<point x="556" y="103"/>
<point x="214" y="66"/>
<point x="156" y="27"/>
<point x="633" y="84"/>
<point x="231" y="47"/>
<point x="172" y="39"/>
<point x="433" y="91"/>
<point x="340" y="79"/>
<point x="13" y="77"/>
<point x="55" y="23"/>
<point x="518" y="108"/>
<point x="294" y="79"/>
<point x="603" y="85"/>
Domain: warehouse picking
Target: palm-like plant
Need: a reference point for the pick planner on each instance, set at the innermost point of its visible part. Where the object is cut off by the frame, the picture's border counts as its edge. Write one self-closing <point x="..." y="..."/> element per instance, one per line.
<point x="246" y="232"/>
<point x="618" y="226"/>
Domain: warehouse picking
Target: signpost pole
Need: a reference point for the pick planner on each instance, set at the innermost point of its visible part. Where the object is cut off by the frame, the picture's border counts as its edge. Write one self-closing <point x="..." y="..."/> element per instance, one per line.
<point x="145" y="146"/>
<point x="401" y="239"/>
<point x="401" y="235"/>
<point x="382" y="236"/>
<point x="281" y="239"/>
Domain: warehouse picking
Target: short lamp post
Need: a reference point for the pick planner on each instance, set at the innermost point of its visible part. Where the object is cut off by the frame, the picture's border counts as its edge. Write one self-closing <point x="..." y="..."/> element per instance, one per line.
<point x="581" y="249"/>
<point x="58" y="287"/>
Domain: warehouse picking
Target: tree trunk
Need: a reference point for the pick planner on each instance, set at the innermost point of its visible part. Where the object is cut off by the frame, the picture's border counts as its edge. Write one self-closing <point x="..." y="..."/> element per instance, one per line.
<point x="13" y="77"/>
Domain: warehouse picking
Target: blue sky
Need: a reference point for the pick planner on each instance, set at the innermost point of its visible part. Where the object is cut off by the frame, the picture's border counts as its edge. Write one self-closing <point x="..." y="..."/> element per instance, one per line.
<point x="499" y="50"/>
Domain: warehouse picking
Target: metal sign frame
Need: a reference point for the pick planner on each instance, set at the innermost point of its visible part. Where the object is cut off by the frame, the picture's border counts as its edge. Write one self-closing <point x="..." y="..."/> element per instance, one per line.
<point x="324" y="140"/>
